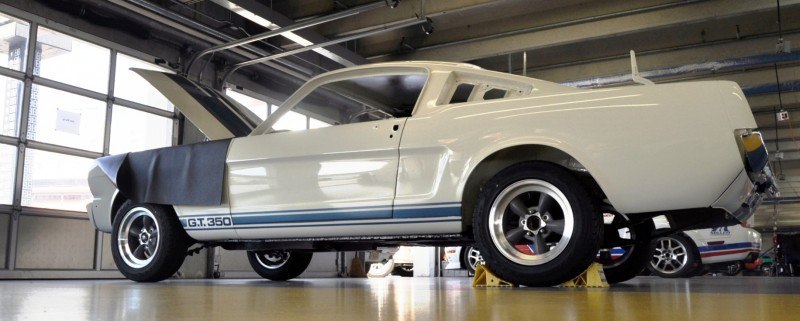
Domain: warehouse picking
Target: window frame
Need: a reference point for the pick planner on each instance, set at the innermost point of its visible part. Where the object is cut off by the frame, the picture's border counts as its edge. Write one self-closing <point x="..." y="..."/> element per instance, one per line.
<point x="290" y="103"/>
<point x="29" y="79"/>
<point x="481" y="85"/>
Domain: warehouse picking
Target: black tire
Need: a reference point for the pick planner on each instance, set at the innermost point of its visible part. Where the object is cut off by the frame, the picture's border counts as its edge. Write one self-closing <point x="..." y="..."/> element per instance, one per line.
<point x="680" y="267"/>
<point x="289" y="264"/>
<point x="734" y="268"/>
<point x="465" y="260"/>
<point x="167" y="248"/>
<point x="635" y="258"/>
<point x="403" y="270"/>
<point x="561" y="262"/>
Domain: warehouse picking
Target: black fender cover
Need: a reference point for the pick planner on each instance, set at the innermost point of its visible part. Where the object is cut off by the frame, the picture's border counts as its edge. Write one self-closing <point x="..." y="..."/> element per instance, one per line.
<point x="181" y="175"/>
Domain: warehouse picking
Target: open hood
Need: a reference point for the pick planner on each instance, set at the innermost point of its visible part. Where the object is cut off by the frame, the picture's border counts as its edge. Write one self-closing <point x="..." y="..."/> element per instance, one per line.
<point x="215" y="114"/>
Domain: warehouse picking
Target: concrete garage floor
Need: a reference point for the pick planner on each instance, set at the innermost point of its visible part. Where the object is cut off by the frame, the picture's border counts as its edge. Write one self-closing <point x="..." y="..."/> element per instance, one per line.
<point x="644" y="298"/>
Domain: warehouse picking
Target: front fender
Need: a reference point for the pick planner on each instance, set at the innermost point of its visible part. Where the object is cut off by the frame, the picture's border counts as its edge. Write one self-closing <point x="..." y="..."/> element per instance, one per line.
<point x="104" y="192"/>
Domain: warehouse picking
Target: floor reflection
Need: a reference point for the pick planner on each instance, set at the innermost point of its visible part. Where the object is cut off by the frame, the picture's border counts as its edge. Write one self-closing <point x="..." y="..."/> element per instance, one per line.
<point x="397" y="299"/>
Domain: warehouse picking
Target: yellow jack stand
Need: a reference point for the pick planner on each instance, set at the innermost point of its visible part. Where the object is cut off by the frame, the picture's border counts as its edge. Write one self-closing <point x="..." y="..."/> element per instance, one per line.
<point x="484" y="278"/>
<point x="593" y="277"/>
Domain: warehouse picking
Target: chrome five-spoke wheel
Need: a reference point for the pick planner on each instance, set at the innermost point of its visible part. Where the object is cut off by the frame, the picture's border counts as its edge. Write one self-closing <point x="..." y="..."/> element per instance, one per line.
<point x="279" y="265"/>
<point x="138" y="237"/>
<point x="273" y="259"/>
<point x="148" y="243"/>
<point x="531" y="222"/>
<point x="536" y="224"/>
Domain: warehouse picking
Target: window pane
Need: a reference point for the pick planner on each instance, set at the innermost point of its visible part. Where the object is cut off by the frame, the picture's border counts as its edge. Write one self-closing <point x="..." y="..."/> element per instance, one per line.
<point x="133" y="130"/>
<point x="461" y="95"/>
<point x="11" y="98"/>
<point x="61" y="118"/>
<point x="72" y="61"/>
<point x="291" y="121"/>
<point x="257" y="106"/>
<point x="8" y="167"/>
<point x="316" y="123"/>
<point x="494" y="93"/>
<point x="56" y="181"/>
<point x="362" y="99"/>
<point x="14" y="43"/>
<point x="129" y="85"/>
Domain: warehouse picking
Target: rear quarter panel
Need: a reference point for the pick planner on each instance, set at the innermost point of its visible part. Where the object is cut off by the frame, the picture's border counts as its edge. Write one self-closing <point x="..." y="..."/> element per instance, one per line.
<point x="650" y="148"/>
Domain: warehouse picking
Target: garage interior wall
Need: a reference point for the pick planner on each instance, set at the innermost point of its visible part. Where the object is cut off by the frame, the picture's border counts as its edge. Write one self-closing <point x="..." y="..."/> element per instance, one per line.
<point x="67" y="100"/>
<point x="77" y="101"/>
<point x="579" y="43"/>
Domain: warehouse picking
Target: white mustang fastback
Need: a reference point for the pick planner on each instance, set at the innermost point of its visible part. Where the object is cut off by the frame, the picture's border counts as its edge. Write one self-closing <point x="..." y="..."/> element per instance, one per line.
<point x="430" y="153"/>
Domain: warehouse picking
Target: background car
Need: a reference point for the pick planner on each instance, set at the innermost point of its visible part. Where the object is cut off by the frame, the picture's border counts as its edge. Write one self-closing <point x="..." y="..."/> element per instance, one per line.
<point x="726" y="249"/>
<point x="462" y="257"/>
<point x="400" y="263"/>
<point x="723" y="249"/>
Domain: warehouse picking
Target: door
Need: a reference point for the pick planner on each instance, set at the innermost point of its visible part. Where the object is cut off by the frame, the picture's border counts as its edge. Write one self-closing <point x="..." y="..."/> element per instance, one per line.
<point x="285" y="184"/>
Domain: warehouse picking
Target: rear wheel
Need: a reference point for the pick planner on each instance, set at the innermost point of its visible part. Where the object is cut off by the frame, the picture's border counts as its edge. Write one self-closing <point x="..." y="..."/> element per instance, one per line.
<point x="673" y="256"/>
<point x="148" y="243"/>
<point x="536" y="225"/>
<point x="279" y="265"/>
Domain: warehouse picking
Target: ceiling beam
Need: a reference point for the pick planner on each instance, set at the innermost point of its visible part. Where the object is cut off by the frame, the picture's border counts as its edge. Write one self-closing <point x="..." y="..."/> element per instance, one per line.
<point x="406" y="11"/>
<point x="270" y="19"/>
<point x="694" y="12"/>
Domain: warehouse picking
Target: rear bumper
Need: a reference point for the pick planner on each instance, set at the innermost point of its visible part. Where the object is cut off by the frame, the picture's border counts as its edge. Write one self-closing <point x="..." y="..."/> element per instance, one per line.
<point x="744" y="195"/>
<point x="751" y="257"/>
<point x="754" y="183"/>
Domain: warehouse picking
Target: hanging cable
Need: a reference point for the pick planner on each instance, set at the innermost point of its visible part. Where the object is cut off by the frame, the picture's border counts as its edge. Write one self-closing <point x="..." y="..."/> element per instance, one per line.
<point x="200" y="75"/>
<point x="780" y="104"/>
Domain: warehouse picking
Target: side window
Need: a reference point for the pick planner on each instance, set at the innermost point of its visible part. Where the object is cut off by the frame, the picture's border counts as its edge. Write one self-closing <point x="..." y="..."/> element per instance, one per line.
<point x="494" y="93"/>
<point x="367" y="98"/>
<point x="461" y="95"/>
<point x="466" y="87"/>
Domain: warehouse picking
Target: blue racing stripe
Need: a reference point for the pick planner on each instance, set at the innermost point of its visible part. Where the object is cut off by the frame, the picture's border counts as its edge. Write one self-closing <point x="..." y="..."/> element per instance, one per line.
<point x="335" y="216"/>
<point x="730" y="246"/>
<point x="430" y="210"/>
<point x="455" y="219"/>
<point x="388" y="221"/>
<point x="427" y="212"/>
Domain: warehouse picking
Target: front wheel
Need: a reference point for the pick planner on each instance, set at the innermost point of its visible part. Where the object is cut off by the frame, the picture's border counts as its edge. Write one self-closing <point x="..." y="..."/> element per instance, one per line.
<point x="471" y="258"/>
<point x="536" y="225"/>
<point x="148" y="243"/>
<point x="673" y="256"/>
<point x="279" y="265"/>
